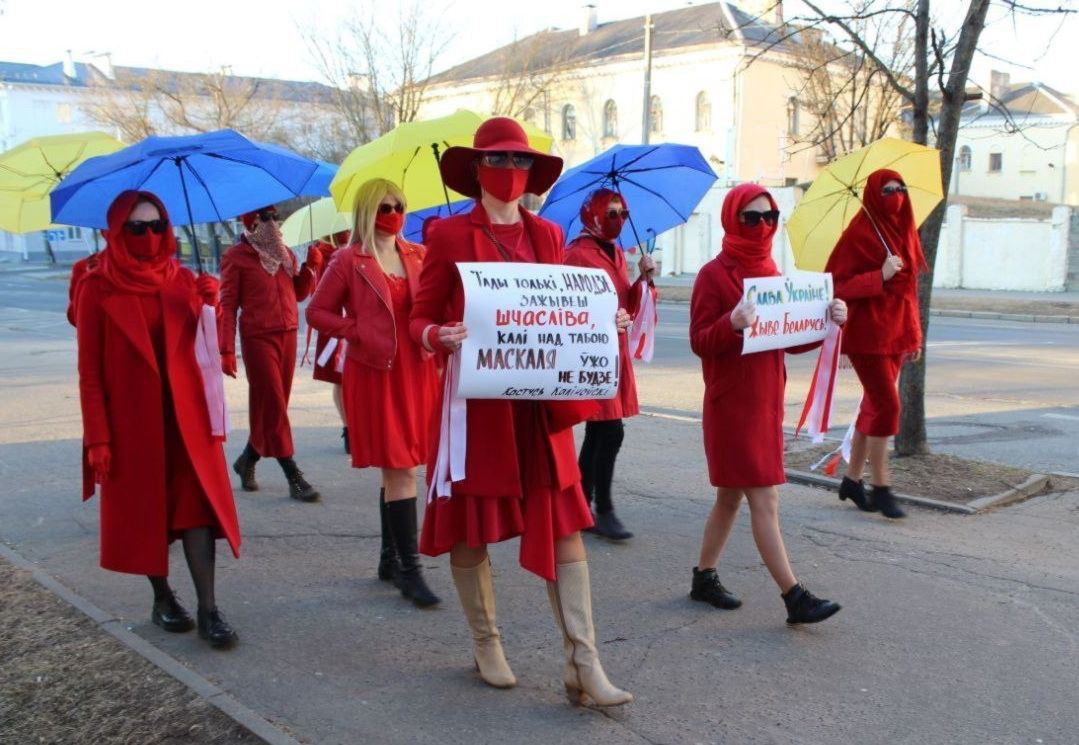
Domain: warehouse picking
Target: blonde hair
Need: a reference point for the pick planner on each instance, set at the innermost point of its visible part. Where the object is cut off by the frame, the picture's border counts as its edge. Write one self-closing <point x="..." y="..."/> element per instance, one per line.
<point x="368" y="198"/>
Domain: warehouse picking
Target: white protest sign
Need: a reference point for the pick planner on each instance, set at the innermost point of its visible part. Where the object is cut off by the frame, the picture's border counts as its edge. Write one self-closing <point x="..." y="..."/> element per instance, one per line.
<point x="791" y="310"/>
<point x="538" y="331"/>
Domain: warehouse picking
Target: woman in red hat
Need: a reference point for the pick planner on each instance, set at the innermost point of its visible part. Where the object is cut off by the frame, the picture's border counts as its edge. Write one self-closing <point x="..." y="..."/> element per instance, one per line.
<point x="875" y="265"/>
<point x="521" y="476"/>
<point x="390" y="381"/>
<point x="262" y="282"/>
<point x="743" y="405"/>
<point x="603" y="215"/>
<point x="147" y="434"/>
<point x="327" y="365"/>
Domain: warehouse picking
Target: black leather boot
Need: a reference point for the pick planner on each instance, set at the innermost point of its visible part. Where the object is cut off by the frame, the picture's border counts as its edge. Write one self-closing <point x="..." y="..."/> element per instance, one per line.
<point x="298" y="488"/>
<point x="805" y="607"/>
<point x="245" y="468"/>
<point x="708" y="589"/>
<point x="855" y="492"/>
<point x="885" y="501"/>
<point x="401" y="515"/>
<point x="170" y="615"/>
<point x="344" y="436"/>
<point x="610" y="527"/>
<point x="388" y="566"/>
<point x="215" y="629"/>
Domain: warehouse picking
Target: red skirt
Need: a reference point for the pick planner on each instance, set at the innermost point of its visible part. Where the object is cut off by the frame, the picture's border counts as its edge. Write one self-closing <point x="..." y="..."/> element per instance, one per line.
<point x="878" y="415"/>
<point x="326" y="373"/>
<point x="186" y="503"/>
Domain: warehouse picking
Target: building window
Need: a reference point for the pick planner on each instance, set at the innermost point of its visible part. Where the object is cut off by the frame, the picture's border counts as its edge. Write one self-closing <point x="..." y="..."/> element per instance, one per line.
<point x="610" y="119"/>
<point x="792" y="116"/>
<point x="655" y="115"/>
<point x="966" y="158"/>
<point x="996" y="162"/>
<point x="704" y="113"/>
<point x="569" y="122"/>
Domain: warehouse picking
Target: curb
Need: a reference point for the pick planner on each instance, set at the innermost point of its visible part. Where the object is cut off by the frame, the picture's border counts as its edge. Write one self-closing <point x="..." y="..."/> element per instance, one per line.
<point x="1036" y="483"/>
<point x="114" y="626"/>
<point x="811" y="479"/>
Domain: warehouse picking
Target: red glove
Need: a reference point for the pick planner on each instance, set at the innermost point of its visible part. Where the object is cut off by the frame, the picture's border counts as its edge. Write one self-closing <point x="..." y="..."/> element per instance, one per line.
<point x="228" y="364"/>
<point x="207" y="287"/>
<point x="314" y="258"/>
<point x="100" y="457"/>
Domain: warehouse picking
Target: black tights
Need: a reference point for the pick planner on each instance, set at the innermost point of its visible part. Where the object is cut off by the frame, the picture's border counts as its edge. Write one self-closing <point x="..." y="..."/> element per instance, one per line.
<point x="602" y="441"/>
<point x="200" y="555"/>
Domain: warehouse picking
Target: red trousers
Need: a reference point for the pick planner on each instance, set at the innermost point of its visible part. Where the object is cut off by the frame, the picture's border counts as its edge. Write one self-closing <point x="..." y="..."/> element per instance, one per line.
<point x="270" y="360"/>
<point x="879" y="375"/>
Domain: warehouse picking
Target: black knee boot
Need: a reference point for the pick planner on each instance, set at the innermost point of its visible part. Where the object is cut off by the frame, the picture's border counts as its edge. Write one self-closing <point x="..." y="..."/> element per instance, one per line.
<point x="298" y="488"/>
<point x="401" y="516"/>
<point x="245" y="468"/>
<point x="388" y="566"/>
<point x="612" y="432"/>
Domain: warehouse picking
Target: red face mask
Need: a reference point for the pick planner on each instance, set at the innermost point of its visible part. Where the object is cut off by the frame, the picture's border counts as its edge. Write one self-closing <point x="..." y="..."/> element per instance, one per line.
<point x="758" y="232"/>
<point x="145" y="246"/>
<point x="893" y="202"/>
<point x="504" y="184"/>
<point x="611" y="227"/>
<point x="391" y="223"/>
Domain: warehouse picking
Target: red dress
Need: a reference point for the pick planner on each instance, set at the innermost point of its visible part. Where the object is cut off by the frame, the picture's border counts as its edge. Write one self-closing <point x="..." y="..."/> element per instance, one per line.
<point x="543" y="449"/>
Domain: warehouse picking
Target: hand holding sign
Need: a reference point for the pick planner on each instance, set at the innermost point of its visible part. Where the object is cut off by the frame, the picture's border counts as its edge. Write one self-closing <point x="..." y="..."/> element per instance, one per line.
<point x="452" y="335"/>
<point x="838" y="311"/>
<point x="744" y="314"/>
<point x="622" y="320"/>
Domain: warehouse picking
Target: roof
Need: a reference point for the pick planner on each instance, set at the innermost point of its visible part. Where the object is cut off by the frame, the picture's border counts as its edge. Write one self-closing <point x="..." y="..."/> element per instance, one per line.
<point x="691" y="26"/>
<point x="1022" y="101"/>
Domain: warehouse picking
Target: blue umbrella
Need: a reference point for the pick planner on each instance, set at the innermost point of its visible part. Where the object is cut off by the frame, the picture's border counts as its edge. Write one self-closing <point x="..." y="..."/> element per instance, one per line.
<point x="662" y="184"/>
<point x="414" y="221"/>
<point x="200" y="178"/>
<point x="319" y="183"/>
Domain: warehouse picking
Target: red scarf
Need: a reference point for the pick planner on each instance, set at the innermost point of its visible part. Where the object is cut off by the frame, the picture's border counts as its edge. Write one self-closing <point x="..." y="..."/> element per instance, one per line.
<point x="752" y="254"/>
<point x="594" y="221"/>
<point x="126" y="272"/>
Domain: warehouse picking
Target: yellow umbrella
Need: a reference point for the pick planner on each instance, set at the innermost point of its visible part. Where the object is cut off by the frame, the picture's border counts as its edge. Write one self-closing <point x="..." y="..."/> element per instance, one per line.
<point x="405" y="157"/>
<point x="833" y="199"/>
<point x="316" y="220"/>
<point x="29" y="172"/>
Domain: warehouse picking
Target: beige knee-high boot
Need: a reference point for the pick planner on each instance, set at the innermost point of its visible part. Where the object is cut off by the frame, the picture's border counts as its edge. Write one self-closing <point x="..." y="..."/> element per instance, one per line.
<point x="571" y="601"/>
<point x="477" y="594"/>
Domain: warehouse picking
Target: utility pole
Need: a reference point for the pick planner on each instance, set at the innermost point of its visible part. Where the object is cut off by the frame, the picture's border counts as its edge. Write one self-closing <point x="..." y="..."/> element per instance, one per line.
<point x="646" y="116"/>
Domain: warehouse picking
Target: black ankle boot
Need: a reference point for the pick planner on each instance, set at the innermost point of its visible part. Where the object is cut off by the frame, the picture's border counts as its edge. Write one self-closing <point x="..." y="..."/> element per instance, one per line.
<point x="401" y="515"/>
<point x="609" y="526"/>
<point x="885" y="502"/>
<point x="170" y="615"/>
<point x="805" y="607"/>
<point x="708" y="589"/>
<point x="245" y="468"/>
<point x="298" y="488"/>
<point x="855" y="492"/>
<point x="344" y="436"/>
<point x="388" y="566"/>
<point x="215" y="629"/>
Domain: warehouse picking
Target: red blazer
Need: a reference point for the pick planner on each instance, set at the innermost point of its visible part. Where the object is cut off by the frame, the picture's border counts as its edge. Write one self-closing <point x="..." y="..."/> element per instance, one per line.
<point x="354" y="282"/>
<point x="266" y="304"/>
<point x="120" y="388"/>
<point x="491" y="461"/>
<point x="586" y="251"/>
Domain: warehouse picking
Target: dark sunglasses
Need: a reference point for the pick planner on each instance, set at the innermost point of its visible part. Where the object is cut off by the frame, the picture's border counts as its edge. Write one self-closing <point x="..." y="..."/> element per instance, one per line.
<point x="753" y="217"/>
<point x="385" y="209"/>
<point x="139" y="227"/>
<point x="894" y="190"/>
<point x="503" y="160"/>
<point x="612" y="214"/>
<point x="267" y="215"/>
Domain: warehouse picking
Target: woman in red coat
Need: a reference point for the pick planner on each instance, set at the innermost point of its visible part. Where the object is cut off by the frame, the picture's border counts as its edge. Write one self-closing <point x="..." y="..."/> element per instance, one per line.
<point x="262" y="283"/>
<point x="875" y="266"/>
<point x="147" y="436"/>
<point x="330" y="370"/>
<point x="743" y="404"/>
<point x="520" y="471"/>
<point x="603" y="214"/>
<point x="390" y="381"/>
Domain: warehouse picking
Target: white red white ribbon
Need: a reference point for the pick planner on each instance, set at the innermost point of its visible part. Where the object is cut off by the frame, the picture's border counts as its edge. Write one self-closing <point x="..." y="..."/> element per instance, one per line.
<point x="642" y="333"/>
<point x="831" y="460"/>
<point x="208" y="357"/>
<point x="818" y="405"/>
<point x="452" y="435"/>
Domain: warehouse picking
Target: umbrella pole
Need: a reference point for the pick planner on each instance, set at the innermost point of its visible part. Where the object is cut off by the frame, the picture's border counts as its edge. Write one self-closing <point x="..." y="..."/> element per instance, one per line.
<point x="445" y="191"/>
<point x="187" y="204"/>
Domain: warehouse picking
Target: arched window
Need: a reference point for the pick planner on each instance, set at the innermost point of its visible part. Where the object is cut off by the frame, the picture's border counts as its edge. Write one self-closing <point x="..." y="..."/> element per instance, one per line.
<point x="704" y="112"/>
<point x="792" y="116"/>
<point x="966" y="158"/>
<point x="569" y="122"/>
<point x="610" y="119"/>
<point x="655" y="115"/>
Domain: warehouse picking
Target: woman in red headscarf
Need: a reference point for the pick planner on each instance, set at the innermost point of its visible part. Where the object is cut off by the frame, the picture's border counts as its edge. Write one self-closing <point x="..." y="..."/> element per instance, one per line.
<point x="390" y="381"/>
<point x="520" y="472"/>
<point x="875" y="266"/>
<point x="147" y="436"/>
<point x="603" y="215"/>
<point x="262" y="283"/>
<point x="327" y="365"/>
<point x="743" y="405"/>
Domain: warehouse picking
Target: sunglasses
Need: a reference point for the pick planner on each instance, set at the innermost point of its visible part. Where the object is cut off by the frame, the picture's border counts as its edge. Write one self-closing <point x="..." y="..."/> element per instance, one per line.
<point x="612" y="214"/>
<point x="751" y="218"/>
<point x="385" y="209"/>
<point x="894" y="190"/>
<point x="504" y="160"/>
<point x="266" y="215"/>
<point x="139" y="227"/>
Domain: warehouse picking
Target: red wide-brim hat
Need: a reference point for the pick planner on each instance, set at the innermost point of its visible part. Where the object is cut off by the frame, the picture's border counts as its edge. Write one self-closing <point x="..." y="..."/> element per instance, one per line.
<point x="500" y="134"/>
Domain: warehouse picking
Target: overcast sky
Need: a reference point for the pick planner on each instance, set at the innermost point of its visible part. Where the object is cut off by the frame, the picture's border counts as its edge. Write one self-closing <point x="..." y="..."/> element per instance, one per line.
<point x="262" y="37"/>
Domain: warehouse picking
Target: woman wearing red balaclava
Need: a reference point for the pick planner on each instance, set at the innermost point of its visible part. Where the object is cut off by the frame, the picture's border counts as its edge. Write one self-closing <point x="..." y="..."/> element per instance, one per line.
<point x="875" y="266"/>
<point x="390" y="381"/>
<point x="520" y="471"/>
<point x="262" y="283"/>
<point x="743" y="405"/>
<point x="147" y="437"/>
<point x="330" y="371"/>
<point x="603" y="215"/>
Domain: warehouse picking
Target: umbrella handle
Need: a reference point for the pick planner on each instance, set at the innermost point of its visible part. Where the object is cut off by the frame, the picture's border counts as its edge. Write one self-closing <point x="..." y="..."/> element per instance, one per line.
<point x="438" y="160"/>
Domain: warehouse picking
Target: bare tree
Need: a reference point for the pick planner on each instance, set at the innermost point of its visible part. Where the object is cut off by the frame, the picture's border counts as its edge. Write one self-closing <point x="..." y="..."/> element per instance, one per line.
<point x="530" y="70"/>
